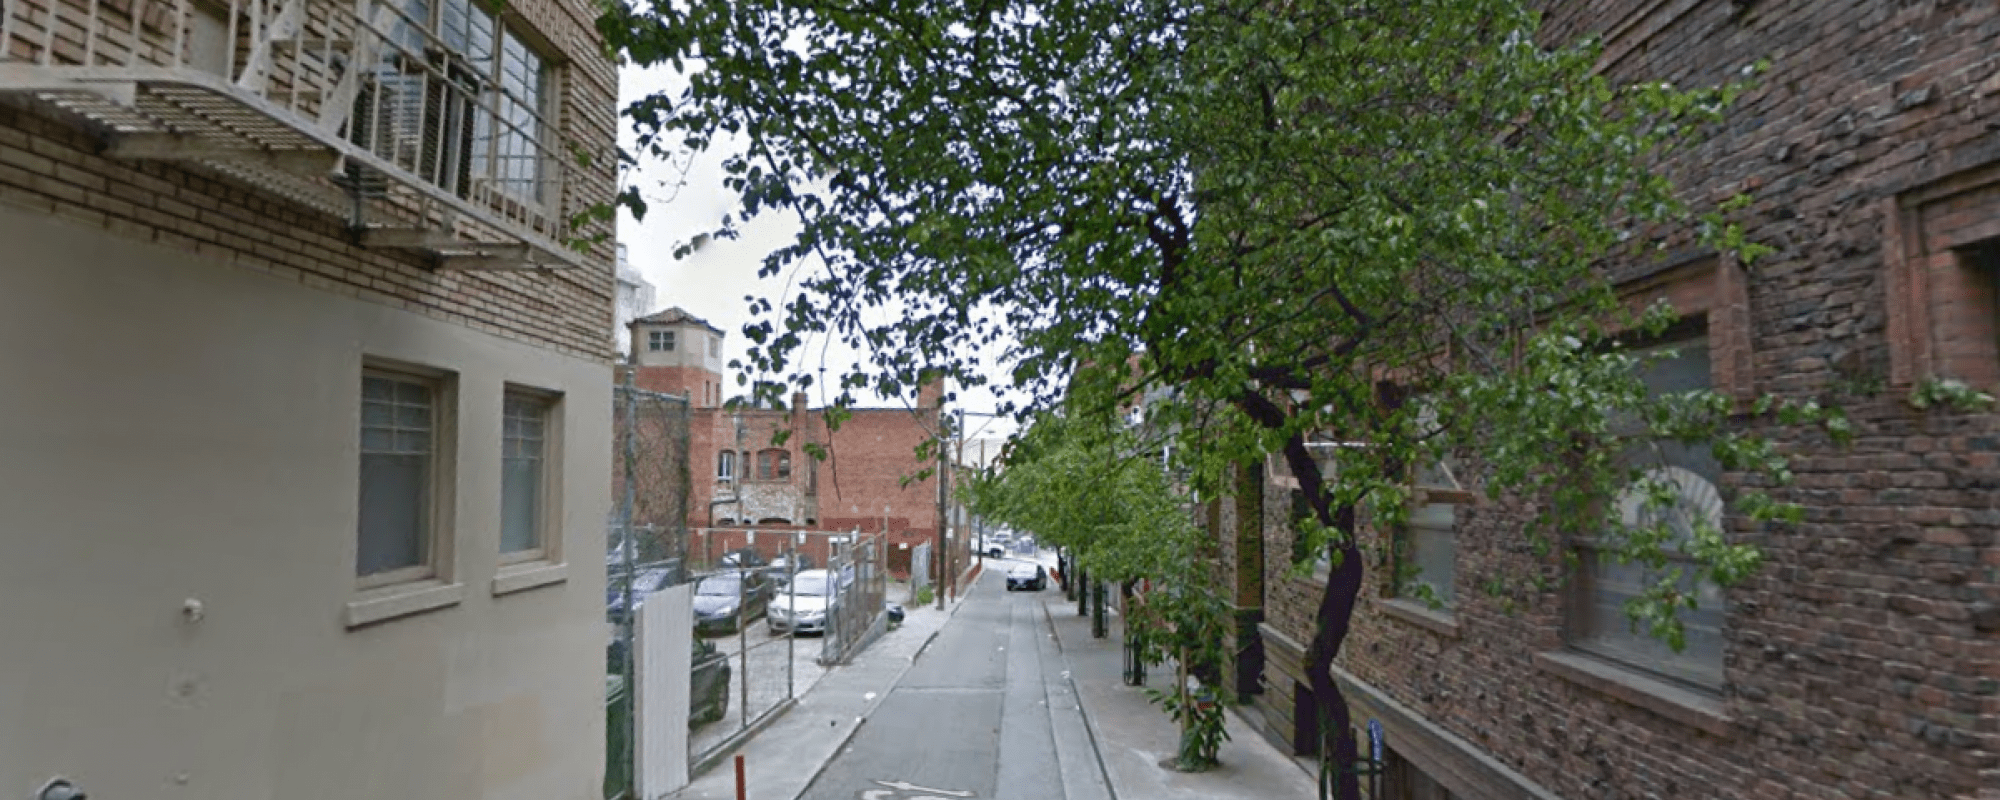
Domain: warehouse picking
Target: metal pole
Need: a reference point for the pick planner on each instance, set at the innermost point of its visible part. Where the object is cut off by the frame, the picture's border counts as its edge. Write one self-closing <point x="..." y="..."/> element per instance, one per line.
<point x="943" y="554"/>
<point x="743" y="639"/>
<point x="791" y="645"/>
<point x="630" y="554"/>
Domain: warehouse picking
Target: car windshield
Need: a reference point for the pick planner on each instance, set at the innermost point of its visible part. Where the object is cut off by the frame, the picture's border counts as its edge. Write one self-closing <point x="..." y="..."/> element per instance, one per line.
<point x="720" y="584"/>
<point x="813" y="585"/>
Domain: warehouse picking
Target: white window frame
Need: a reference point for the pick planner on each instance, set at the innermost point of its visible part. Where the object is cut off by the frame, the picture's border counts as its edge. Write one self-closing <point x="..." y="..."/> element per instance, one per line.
<point x="546" y="544"/>
<point x="660" y="341"/>
<point x="435" y="539"/>
<point x="725" y="465"/>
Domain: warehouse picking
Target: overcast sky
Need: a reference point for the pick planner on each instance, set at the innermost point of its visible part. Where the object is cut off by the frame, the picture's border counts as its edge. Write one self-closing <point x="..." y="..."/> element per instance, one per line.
<point x="687" y="199"/>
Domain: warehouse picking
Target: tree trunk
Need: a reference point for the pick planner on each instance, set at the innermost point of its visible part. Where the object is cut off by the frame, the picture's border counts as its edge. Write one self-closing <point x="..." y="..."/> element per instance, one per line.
<point x="1337" y="748"/>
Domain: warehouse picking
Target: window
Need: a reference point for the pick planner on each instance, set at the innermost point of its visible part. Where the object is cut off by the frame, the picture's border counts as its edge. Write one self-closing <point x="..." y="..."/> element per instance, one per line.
<point x="660" y="341"/>
<point x="399" y="477"/>
<point x="725" y="465"/>
<point x="774" y="465"/>
<point x="524" y="474"/>
<point x="458" y="99"/>
<point x="1598" y="622"/>
<point x="1427" y="566"/>
<point x="1939" y="248"/>
<point x="715" y="347"/>
<point x="1427" y="549"/>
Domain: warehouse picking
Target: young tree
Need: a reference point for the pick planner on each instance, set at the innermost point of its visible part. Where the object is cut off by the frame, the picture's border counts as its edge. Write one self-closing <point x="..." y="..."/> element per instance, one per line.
<point x="1296" y="216"/>
<point x="1087" y="484"/>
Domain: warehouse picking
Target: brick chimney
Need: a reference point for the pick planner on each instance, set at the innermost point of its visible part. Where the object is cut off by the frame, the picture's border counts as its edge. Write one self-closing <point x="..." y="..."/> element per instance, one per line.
<point x="930" y="394"/>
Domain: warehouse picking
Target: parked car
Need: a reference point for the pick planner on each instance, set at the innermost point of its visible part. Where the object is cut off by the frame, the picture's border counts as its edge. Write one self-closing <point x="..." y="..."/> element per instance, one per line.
<point x="708" y="685"/>
<point x="1029" y="577"/>
<point x="645" y="581"/>
<point x="742" y="558"/>
<point x="779" y="570"/>
<point x="804" y="604"/>
<point x="725" y="601"/>
<point x="708" y="679"/>
<point x="995" y="544"/>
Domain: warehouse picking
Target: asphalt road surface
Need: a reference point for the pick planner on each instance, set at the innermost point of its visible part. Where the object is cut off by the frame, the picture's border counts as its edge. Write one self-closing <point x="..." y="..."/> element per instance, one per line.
<point x="972" y="718"/>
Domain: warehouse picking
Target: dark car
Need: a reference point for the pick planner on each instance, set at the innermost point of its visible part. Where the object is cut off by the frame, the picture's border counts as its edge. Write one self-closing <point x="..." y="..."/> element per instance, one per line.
<point x="708" y="679"/>
<point x="645" y="581"/>
<point x="1030" y="577"/>
<point x="708" y="689"/>
<point x="725" y="600"/>
<point x="781" y="570"/>
<point x="742" y="558"/>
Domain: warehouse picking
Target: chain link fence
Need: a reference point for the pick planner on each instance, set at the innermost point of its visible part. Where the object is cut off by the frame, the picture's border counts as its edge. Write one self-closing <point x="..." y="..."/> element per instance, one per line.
<point x="646" y="549"/>
<point x="773" y="608"/>
<point x="778" y="607"/>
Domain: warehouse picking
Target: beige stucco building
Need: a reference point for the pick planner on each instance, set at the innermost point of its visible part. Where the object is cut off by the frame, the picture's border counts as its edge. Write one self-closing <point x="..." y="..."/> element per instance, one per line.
<point x="304" y="420"/>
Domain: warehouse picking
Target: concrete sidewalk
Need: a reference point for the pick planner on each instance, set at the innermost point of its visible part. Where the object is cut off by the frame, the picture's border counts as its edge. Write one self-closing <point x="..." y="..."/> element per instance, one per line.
<point x="1131" y="736"/>
<point x="1134" y="736"/>
<point x="781" y="760"/>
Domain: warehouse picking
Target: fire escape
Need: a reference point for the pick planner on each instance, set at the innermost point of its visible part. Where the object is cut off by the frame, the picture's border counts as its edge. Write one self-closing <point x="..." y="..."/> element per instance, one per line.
<point x="357" y="108"/>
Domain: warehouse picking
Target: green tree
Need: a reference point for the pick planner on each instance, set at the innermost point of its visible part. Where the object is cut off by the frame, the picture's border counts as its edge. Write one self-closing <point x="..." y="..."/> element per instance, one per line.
<point x="1292" y="216"/>
<point x="1087" y="484"/>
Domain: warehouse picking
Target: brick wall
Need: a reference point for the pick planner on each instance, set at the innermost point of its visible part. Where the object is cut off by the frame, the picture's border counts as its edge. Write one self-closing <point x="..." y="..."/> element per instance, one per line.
<point x="51" y="167"/>
<point x="868" y="459"/>
<point x="1863" y="660"/>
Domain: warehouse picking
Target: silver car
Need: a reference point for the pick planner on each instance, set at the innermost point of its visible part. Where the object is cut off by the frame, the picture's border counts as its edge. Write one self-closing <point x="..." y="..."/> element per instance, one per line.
<point x="803" y="605"/>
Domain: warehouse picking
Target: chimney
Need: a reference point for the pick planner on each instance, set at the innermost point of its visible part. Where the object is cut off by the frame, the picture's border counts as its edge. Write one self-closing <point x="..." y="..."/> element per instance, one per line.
<point x="930" y="394"/>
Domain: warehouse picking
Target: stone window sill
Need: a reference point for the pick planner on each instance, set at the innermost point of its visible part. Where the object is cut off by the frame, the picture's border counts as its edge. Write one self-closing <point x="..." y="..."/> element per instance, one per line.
<point x="529" y="575"/>
<point x="402" y="600"/>
<point x="1690" y="708"/>
<point x="1439" y="621"/>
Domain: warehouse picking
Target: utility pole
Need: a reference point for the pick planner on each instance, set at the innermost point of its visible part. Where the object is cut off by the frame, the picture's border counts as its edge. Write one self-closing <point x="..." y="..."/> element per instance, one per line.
<point x="943" y="551"/>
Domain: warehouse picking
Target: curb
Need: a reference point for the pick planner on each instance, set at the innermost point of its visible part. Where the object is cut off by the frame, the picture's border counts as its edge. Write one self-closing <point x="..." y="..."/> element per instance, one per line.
<point x="729" y="747"/>
<point x="1089" y="724"/>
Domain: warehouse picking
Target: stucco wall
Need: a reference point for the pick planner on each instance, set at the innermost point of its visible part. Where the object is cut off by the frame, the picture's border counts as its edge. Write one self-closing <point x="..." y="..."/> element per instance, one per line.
<point x="174" y="429"/>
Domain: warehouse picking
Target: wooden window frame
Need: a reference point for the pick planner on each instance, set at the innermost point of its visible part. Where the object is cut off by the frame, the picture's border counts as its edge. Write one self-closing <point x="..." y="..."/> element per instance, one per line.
<point x="439" y="478"/>
<point x="546" y="545"/>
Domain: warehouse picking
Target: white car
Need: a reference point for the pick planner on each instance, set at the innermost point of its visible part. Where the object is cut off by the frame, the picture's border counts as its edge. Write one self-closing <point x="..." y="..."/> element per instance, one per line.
<point x="803" y="604"/>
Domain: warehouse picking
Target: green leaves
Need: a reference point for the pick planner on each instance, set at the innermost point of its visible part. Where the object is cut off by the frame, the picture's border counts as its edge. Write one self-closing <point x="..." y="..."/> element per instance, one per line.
<point x="1247" y="228"/>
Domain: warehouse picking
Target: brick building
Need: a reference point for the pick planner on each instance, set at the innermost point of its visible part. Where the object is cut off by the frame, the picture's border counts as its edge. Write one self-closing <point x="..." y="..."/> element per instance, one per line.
<point x="741" y="479"/>
<point x="308" y="399"/>
<point x="1864" y="659"/>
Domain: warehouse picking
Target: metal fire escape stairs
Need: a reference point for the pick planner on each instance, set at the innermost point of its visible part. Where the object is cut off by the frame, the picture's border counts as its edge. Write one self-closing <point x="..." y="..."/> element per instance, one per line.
<point x="349" y="107"/>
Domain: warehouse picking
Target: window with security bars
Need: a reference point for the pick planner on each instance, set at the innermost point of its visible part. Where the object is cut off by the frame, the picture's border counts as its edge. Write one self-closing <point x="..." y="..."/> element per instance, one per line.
<point x="398" y="476"/>
<point x="458" y="99"/>
<point x="524" y="473"/>
<point x="1598" y="624"/>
